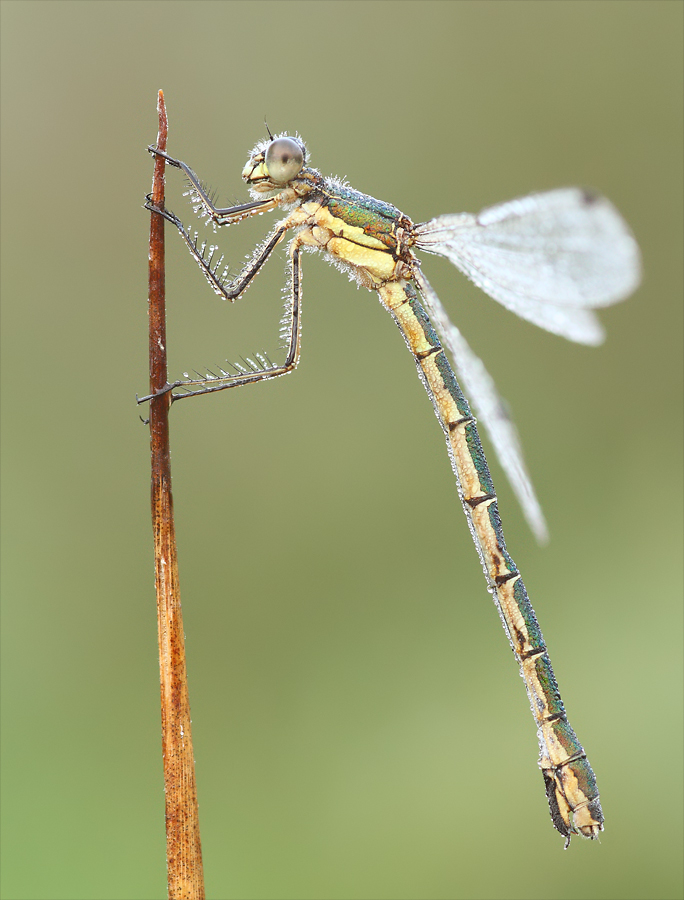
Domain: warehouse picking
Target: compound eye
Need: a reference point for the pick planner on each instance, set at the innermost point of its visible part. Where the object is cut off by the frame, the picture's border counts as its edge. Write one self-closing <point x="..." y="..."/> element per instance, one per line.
<point x="284" y="159"/>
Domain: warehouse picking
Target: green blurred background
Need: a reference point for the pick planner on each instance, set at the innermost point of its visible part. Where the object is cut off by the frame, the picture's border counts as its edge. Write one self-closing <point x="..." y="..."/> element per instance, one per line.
<point x="360" y="728"/>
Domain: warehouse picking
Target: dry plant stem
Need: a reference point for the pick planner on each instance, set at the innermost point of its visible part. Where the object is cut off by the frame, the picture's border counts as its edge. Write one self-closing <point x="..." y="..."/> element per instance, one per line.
<point x="183" y="848"/>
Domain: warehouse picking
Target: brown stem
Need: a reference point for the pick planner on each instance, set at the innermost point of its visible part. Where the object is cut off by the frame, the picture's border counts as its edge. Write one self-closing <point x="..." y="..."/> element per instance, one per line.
<point x="183" y="848"/>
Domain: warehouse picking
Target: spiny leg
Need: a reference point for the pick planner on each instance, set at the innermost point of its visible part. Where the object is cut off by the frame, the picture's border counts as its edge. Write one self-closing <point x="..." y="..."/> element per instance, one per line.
<point x="228" y="215"/>
<point x="203" y="255"/>
<point x="263" y="370"/>
<point x="229" y="290"/>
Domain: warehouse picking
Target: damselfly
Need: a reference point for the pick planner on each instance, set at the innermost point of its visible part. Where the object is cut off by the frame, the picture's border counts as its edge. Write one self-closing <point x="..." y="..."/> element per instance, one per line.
<point x="548" y="257"/>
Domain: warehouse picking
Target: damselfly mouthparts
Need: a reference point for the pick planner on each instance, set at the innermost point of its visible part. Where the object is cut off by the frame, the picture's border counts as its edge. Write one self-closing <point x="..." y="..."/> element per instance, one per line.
<point x="548" y="257"/>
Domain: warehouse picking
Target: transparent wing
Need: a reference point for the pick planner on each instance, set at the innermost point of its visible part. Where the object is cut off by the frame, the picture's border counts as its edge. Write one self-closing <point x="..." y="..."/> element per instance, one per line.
<point x="489" y="408"/>
<point x="550" y="257"/>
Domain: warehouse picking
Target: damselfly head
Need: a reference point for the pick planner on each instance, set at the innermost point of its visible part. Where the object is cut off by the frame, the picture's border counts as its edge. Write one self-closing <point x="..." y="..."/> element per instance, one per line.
<point x="273" y="164"/>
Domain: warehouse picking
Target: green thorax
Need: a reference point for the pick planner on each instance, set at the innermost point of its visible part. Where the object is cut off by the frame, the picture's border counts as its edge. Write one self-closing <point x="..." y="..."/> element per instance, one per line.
<point x="375" y="217"/>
